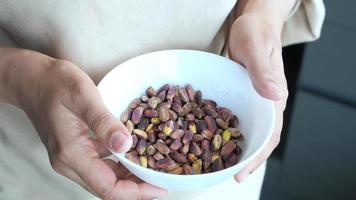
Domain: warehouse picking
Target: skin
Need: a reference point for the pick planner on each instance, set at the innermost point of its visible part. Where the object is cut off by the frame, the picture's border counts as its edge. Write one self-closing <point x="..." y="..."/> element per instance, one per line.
<point x="63" y="103"/>
<point x="255" y="42"/>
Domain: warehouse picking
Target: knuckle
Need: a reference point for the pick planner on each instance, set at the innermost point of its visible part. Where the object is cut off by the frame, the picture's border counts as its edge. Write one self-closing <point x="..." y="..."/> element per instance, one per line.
<point x="58" y="155"/>
<point x="67" y="81"/>
<point x="78" y="88"/>
<point x="56" y="166"/>
<point x="62" y="155"/>
<point x="276" y="139"/>
<point x="70" y="75"/>
<point x="136" y="190"/>
<point x="283" y="101"/>
<point x="100" y="122"/>
<point x="140" y="193"/>
<point x="79" y="91"/>
<point x="286" y="91"/>
<point x="60" y="65"/>
<point x="107" y="194"/>
<point x="58" y="152"/>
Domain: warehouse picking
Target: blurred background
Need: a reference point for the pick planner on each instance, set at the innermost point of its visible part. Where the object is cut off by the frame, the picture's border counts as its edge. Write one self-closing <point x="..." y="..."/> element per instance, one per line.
<point x="316" y="158"/>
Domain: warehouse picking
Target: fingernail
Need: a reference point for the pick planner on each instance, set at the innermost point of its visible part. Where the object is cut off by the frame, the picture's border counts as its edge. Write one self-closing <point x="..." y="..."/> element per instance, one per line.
<point x="118" y="141"/>
<point x="279" y="93"/>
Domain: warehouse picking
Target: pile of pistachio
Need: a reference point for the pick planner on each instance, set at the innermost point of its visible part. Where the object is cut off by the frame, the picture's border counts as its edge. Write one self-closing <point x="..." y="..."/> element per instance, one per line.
<point x="175" y="130"/>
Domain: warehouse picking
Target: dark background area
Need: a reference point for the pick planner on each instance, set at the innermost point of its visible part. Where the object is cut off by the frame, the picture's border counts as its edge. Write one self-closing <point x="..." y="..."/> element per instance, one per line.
<point x="317" y="155"/>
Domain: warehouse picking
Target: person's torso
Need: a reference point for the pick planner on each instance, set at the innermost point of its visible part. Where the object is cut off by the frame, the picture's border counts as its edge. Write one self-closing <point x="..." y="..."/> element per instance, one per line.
<point x="98" y="35"/>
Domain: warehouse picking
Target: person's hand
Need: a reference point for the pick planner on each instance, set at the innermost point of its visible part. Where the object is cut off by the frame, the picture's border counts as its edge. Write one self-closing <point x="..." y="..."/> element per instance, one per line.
<point x="63" y="103"/>
<point x="255" y="42"/>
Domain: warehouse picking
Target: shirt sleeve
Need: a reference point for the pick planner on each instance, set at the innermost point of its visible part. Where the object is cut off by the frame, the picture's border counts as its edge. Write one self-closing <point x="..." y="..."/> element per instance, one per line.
<point x="304" y="22"/>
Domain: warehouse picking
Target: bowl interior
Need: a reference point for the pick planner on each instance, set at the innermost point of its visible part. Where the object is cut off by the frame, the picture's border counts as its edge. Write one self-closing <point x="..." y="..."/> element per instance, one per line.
<point x="218" y="78"/>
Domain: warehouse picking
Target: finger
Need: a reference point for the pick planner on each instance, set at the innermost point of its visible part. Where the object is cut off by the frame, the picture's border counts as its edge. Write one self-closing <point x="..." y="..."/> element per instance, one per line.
<point x="86" y="102"/>
<point x="76" y="178"/>
<point x="62" y="169"/>
<point x="120" y="171"/>
<point x="134" y="178"/>
<point x="261" y="71"/>
<point x="259" y="159"/>
<point x="100" y="177"/>
<point x="101" y="148"/>
<point x="138" y="191"/>
<point x="109" y="129"/>
<point x="271" y="145"/>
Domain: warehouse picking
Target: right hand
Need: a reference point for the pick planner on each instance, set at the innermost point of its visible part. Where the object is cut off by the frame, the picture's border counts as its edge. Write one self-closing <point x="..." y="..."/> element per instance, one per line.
<point x="63" y="103"/>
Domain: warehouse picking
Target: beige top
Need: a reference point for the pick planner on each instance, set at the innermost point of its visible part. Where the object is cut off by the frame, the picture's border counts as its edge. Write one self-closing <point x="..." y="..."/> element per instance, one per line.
<point x="98" y="35"/>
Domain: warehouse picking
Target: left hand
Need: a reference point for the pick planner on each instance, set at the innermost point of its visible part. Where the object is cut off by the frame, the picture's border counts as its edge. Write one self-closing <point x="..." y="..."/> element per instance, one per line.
<point x="255" y="42"/>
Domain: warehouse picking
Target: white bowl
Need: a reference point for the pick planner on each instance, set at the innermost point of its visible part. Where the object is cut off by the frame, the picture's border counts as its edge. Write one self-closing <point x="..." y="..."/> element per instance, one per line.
<point x="218" y="78"/>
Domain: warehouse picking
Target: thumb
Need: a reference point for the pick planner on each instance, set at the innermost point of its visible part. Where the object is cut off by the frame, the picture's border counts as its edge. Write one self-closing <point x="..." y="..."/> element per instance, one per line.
<point x="108" y="128"/>
<point x="263" y="82"/>
<point x="87" y="104"/>
<point x="261" y="72"/>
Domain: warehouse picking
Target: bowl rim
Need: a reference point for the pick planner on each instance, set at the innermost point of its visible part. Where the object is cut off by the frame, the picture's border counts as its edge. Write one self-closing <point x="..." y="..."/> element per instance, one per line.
<point x="121" y="156"/>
